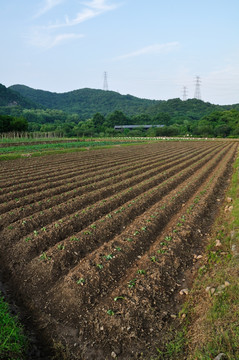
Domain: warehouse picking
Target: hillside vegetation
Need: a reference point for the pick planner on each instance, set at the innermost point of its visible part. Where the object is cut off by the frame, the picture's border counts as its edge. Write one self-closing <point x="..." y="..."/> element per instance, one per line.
<point x="9" y="97"/>
<point x="91" y="112"/>
<point x="86" y="102"/>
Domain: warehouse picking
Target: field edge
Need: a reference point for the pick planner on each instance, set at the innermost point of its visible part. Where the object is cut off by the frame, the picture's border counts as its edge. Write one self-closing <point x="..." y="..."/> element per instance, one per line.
<point x="207" y="324"/>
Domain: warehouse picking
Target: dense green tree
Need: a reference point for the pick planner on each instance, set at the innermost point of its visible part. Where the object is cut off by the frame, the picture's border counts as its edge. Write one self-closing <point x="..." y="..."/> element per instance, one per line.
<point x="19" y="124"/>
<point x="116" y="118"/>
<point x="9" y="123"/>
<point x="161" y="119"/>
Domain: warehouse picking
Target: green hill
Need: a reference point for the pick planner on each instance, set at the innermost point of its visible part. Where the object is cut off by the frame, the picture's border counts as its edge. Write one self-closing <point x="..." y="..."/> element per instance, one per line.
<point x="10" y="98"/>
<point x="86" y="102"/>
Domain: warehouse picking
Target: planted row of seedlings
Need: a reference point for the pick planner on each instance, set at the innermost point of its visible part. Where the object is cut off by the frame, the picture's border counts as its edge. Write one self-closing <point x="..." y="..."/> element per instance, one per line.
<point x="35" y="168"/>
<point x="17" y="199"/>
<point x="70" y="201"/>
<point x="78" y="175"/>
<point x="75" y="168"/>
<point x="99" y="271"/>
<point x="133" y="278"/>
<point x="30" y="227"/>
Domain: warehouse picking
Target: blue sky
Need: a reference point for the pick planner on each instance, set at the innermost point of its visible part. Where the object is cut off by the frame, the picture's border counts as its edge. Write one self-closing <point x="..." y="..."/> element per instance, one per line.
<point x="149" y="48"/>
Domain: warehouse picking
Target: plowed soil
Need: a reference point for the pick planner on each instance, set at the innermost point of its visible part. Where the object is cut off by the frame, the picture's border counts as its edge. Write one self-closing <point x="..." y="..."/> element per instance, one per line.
<point x="97" y="246"/>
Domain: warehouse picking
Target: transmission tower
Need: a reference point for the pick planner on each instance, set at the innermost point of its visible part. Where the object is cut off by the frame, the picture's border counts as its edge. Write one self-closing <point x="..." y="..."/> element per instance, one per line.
<point x="197" y="94"/>
<point x="185" y="93"/>
<point x="105" y="86"/>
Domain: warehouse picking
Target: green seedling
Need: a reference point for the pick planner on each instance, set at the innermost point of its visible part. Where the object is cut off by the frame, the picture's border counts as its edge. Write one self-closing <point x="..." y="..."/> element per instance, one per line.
<point x="110" y="312"/>
<point x="61" y="247"/>
<point x="162" y="251"/>
<point x="80" y="281"/>
<point x="153" y="259"/>
<point x="168" y="238"/>
<point x="100" y="266"/>
<point x="132" y="283"/>
<point x="35" y="232"/>
<point x="44" y="256"/>
<point x="141" y="272"/>
<point x="108" y="257"/>
<point x="74" y="238"/>
<point x="118" y="298"/>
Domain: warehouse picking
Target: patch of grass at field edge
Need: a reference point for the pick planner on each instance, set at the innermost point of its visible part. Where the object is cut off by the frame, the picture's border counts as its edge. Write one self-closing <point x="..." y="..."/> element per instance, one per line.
<point x="18" y="155"/>
<point x="208" y="323"/>
<point x="13" y="342"/>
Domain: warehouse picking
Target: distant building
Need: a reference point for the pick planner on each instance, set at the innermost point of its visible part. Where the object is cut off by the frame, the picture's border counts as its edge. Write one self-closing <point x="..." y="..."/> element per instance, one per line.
<point x="133" y="127"/>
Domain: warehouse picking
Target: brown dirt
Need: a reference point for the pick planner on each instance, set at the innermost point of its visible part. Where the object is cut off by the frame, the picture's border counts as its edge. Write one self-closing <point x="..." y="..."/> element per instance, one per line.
<point x="100" y="266"/>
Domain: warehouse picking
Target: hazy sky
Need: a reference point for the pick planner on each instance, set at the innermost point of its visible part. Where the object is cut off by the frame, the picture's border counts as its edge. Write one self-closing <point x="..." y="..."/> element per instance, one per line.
<point x="149" y="48"/>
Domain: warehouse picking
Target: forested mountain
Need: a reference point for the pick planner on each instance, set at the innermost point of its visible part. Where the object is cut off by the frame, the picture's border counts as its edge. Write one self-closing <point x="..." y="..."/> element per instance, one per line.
<point x="86" y="102"/>
<point x="9" y="97"/>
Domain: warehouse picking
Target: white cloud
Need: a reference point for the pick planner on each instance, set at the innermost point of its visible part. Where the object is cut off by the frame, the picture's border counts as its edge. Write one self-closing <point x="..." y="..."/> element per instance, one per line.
<point x="92" y="9"/>
<point x="47" y="6"/>
<point x="47" y="37"/>
<point x="48" y="41"/>
<point x="151" y="49"/>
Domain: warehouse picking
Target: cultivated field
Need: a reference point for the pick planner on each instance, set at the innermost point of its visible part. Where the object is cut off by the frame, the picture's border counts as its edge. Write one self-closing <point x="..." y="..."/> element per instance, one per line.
<point x="98" y="245"/>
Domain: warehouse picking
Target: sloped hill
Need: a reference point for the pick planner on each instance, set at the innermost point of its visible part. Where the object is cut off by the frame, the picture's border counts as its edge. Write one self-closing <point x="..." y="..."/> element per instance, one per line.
<point x="9" y="97"/>
<point x="86" y="102"/>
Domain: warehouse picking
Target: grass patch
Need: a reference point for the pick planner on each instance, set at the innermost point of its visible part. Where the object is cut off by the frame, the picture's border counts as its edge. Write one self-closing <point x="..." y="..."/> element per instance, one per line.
<point x="13" y="342"/>
<point x="35" y="150"/>
<point x="210" y="322"/>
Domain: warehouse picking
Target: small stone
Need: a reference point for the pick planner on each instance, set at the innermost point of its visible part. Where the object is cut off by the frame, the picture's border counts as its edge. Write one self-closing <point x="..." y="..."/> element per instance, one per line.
<point x="199" y="257"/>
<point x="102" y="328"/>
<point x="183" y="316"/>
<point x="218" y="243"/>
<point x="230" y="208"/>
<point x="113" y="355"/>
<point x="184" y="292"/>
<point x="212" y="291"/>
<point x="208" y="289"/>
<point x="229" y="199"/>
<point x="226" y="283"/>
<point x="173" y="316"/>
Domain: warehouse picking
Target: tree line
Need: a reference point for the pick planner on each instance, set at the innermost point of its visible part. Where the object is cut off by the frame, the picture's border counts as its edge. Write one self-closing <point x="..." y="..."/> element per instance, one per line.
<point x="223" y="123"/>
